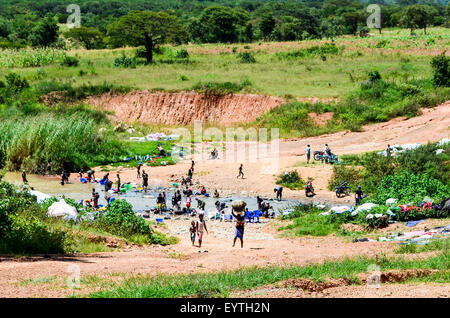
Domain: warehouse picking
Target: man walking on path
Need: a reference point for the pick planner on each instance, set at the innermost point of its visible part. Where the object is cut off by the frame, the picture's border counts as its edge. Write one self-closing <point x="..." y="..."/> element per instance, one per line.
<point x="240" y="222"/>
<point x="139" y="170"/>
<point x="240" y="172"/>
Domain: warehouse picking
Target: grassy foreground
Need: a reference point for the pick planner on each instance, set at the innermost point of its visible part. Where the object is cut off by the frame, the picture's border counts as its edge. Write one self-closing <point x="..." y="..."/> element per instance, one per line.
<point x="222" y="283"/>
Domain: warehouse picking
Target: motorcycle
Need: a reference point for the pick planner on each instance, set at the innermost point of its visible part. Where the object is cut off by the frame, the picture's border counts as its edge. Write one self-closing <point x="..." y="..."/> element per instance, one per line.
<point x="309" y="190"/>
<point x="321" y="155"/>
<point x="318" y="155"/>
<point x="342" y="190"/>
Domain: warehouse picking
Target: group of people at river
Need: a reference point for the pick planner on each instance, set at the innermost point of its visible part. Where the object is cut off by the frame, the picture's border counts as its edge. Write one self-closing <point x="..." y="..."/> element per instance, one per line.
<point x="197" y="228"/>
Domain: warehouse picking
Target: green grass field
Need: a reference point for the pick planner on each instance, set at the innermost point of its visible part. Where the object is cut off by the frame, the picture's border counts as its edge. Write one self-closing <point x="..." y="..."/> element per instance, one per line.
<point x="305" y="77"/>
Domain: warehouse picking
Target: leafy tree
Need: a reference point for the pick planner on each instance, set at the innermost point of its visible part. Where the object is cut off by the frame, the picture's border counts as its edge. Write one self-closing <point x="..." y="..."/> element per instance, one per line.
<point x="5" y="28"/>
<point x="146" y="28"/>
<point x="45" y="33"/>
<point x="90" y="38"/>
<point x="352" y="19"/>
<point x="332" y="27"/>
<point x="267" y="25"/>
<point x="20" y="28"/>
<point x="418" y="17"/>
<point x="441" y="70"/>
<point x="218" y="24"/>
<point x="249" y="32"/>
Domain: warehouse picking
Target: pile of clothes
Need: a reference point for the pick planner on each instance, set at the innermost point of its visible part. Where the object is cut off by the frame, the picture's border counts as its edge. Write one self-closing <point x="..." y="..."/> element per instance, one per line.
<point x="419" y="237"/>
<point x="163" y="136"/>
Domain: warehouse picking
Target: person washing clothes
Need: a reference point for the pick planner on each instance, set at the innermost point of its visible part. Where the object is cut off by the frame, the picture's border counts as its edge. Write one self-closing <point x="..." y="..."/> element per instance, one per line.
<point x="279" y="191"/>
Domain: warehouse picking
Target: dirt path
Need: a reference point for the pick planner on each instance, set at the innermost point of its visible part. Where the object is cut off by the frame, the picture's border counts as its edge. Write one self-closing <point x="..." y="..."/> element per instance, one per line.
<point x="420" y="290"/>
<point x="262" y="247"/>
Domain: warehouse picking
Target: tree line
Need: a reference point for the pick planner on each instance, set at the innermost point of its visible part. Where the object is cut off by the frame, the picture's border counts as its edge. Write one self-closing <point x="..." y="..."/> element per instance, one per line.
<point x="152" y="22"/>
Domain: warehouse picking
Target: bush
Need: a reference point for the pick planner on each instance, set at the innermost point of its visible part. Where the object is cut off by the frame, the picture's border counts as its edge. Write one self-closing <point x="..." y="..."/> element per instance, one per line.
<point x="214" y="88"/>
<point x="374" y="76"/>
<point x="124" y="62"/>
<point x="16" y="83"/>
<point x="120" y="220"/>
<point x="247" y="57"/>
<point x="441" y="70"/>
<point x="21" y="227"/>
<point x="182" y="54"/>
<point x="342" y="174"/>
<point x="69" y="61"/>
<point x="406" y="186"/>
<point x="140" y="52"/>
<point x="313" y="51"/>
<point x="291" y="180"/>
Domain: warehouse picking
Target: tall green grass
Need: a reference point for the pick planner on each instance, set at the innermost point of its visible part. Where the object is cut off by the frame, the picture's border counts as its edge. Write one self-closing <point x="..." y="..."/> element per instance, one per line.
<point x="68" y="142"/>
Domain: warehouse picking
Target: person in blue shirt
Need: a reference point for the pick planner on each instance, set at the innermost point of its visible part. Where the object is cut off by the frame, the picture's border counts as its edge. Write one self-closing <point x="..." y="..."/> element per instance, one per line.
<point x="308" y="153"/>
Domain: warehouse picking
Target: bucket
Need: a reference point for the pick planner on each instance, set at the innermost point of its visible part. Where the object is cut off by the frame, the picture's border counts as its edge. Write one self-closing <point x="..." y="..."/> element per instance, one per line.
<point x="128" y="187"/>
<point x="159" y="220"/>
<point x="83" y="180"/>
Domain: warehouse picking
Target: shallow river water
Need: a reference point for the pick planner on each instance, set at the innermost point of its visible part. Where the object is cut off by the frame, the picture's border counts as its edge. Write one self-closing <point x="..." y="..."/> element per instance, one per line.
<point x="140" y="201"/>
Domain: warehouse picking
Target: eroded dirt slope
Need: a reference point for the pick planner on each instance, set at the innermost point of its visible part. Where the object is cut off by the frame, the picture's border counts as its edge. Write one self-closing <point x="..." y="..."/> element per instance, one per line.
<point x="185" y="107"/>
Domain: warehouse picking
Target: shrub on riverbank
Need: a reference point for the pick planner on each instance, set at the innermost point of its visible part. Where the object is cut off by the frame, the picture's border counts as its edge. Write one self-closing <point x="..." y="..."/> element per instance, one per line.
<point x="22" y="230"/>
<point x="411" y="175"/>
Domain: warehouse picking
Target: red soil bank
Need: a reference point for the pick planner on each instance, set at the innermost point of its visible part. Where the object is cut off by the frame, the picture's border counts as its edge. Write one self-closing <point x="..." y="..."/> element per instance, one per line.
<point x="185" y="107"/>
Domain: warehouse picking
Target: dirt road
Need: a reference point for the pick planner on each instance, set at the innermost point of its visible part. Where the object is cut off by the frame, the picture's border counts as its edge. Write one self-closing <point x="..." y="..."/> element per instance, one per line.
<point x="26" y="277"/>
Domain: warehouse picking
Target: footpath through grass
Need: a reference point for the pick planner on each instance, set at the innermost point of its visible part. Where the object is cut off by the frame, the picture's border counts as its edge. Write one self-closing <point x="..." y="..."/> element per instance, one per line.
<point x="222" y="283"/>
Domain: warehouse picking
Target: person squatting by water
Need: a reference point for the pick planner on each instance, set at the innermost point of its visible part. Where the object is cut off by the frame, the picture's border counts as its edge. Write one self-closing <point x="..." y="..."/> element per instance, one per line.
<point x="90" y="176"/>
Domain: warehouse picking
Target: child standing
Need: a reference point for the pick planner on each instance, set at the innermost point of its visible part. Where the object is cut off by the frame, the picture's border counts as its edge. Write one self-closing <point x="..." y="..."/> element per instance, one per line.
<point x="201" y="227"/>
<point x="193" y="230"/>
